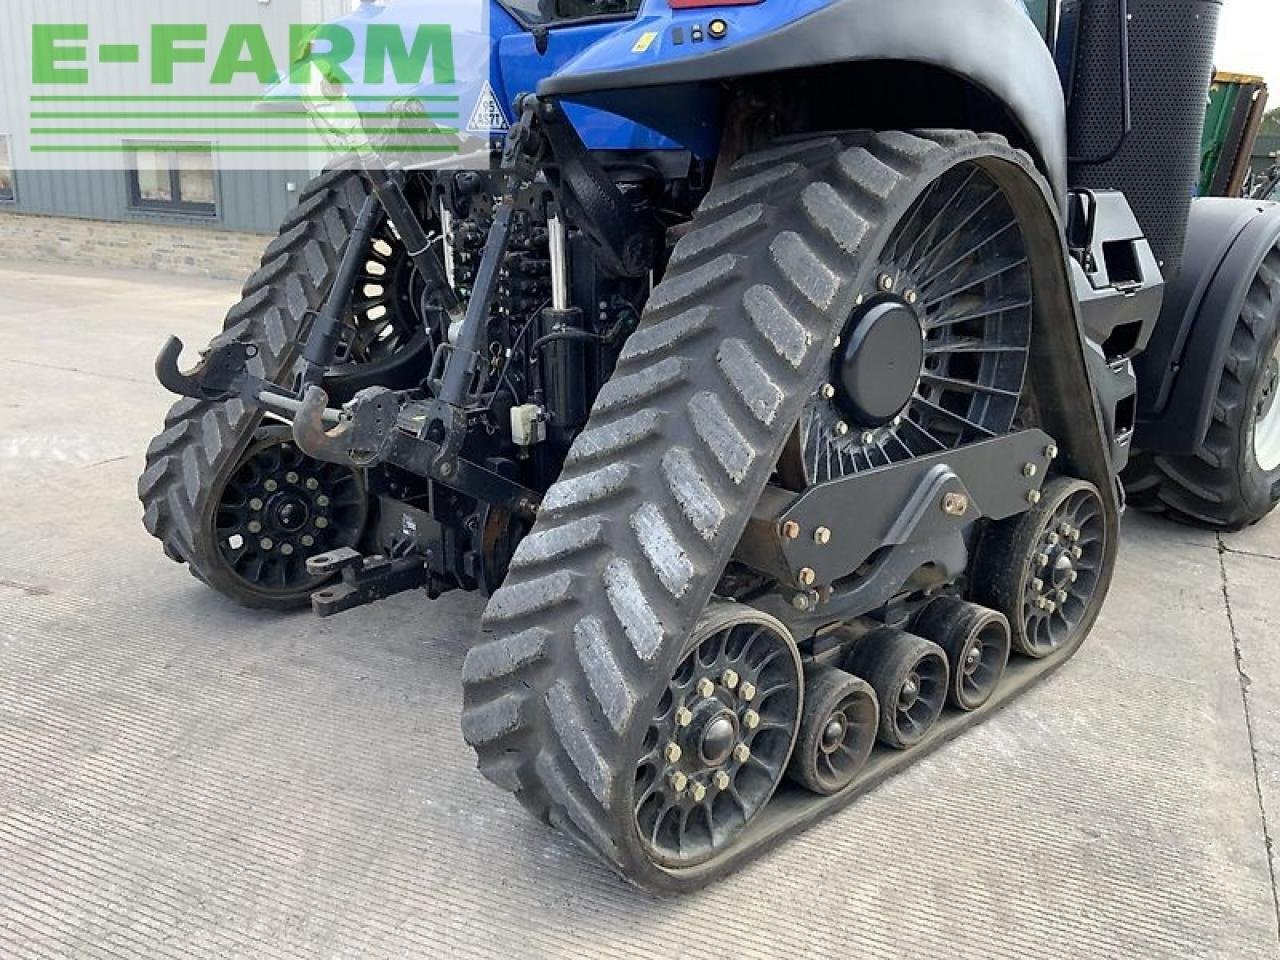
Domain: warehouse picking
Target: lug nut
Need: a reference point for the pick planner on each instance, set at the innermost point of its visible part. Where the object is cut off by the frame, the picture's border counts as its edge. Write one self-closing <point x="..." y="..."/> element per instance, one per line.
<point x="886" y="282"/>
<point x="1051" y="451"/>
<point x="1042" y="602"/>
<point x="807" y="576"/>
<point x="1061" y="595"/>
<point x="308" y="540"/>
<point x="1033" y="497"/>
<point x="271" y="486"/>
<point x="911" y="296"/>
<point x="1053" y="539"/>
<point x="1075" y="534"/>
<point x="1073" y="576"/>
<point x="1077" y="553"/>
<point x="751" y="719"/>
<point x="868" y="438"/>
<point x="255" y="526"/>
<point x="322" y="501"/>
<point x="721" y="780"/>
<point x="729" y="678"/>
<point x="1037" y="584"/>
<point x="1042" y="559"/>
<point x="1029" y="470"/>
<point x="679" y="781"/>
<point x="705" y="687"/>
<point x="286" y="549"/>
<point x="827" y="391"/>
<point x="747" y="691"/>
<point x="1050" y="607"/>
<point x="742" y="753"/>
<point x="800" y="601"/>
<point x="684" y="717"/>
<point x="842" y="429"/>
<point x="791" y="530"/>
<point x="672" y="753"/>
<point x="822" y="536"/>
<point x="266" y="543"/>
<point x="291" y="477"/>
<point x="698" y="792"/>
<point x="312" y="483"/>
<point x="321" y="523"/>
<point x="255" y="504"/>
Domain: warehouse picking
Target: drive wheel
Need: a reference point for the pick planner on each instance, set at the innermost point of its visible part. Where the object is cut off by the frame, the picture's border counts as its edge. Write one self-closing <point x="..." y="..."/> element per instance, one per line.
<point x="720" y="736"/>
<point x="1233" y="479"/>
<point x="1043" y="569"/>
<point x="841" y="715"/>
<point x="909" y="676"/>
<point x="976" y="641"/>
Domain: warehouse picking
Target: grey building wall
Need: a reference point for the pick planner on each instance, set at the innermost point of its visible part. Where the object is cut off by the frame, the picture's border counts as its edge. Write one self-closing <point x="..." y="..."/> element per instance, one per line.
<point x="248" y="201"/>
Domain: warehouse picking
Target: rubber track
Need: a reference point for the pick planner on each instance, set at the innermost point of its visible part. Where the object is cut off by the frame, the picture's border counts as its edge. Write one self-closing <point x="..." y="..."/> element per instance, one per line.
<point x="201" y="439"/>
<point x="656" y="491"/>
<point x="1204" y="488"/>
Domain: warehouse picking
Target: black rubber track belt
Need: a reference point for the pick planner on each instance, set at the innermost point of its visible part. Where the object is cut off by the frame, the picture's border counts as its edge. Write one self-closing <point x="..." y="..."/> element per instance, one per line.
<point x="1220" y="485"/>
<point x="631" y="540"/>
<point x="201" y="439"/>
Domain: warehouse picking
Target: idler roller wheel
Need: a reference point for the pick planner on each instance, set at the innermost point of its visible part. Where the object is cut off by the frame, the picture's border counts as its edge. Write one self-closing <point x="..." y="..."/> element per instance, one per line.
<point x="909" y="675"/>
<point x="976" y="642"/>
<point x="837" y="730"/>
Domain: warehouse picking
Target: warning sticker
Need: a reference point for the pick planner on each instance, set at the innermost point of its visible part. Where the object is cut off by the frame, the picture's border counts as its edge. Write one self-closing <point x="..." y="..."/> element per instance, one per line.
<point x="487" y="117"/>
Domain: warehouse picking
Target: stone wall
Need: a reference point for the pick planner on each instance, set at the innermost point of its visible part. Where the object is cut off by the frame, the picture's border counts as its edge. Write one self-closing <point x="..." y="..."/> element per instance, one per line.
<point x="138" y="245"/>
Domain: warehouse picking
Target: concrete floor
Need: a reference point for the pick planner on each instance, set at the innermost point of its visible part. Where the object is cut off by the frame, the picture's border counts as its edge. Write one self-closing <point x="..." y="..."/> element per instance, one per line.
<point x="181" y="778"/>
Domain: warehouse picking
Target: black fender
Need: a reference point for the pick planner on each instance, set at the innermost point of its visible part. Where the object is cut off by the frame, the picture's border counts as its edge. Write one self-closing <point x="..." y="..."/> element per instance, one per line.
<point x="1181" y="369"/>
<point x="991" y="44"/>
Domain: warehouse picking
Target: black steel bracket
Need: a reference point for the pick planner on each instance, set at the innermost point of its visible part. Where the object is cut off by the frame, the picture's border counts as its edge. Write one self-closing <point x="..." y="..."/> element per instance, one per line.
<point x="364" y="579"/>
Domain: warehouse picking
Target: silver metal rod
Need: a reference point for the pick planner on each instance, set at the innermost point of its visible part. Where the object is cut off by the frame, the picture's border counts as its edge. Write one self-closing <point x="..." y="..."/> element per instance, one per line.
<point x="559" y="263"/>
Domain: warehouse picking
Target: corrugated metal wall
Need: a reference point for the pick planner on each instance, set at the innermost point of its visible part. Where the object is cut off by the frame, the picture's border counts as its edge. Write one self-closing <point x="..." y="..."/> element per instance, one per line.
<point x="253" y="201"/>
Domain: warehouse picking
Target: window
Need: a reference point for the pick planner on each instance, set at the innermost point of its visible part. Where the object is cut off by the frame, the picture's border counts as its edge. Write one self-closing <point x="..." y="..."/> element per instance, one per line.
<point x="7" y="194"/>
<point x="177" y="178"/>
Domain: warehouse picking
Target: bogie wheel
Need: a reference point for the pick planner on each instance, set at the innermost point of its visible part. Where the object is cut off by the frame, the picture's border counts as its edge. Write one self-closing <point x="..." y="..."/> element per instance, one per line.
<point x="1043" y="569"/>
<point x="1233" y="479"/>
<point x="909" y="675"/>
<point x="720" y="736"/>
<point x="837" y="732"/>
<point x="976" y="641"/>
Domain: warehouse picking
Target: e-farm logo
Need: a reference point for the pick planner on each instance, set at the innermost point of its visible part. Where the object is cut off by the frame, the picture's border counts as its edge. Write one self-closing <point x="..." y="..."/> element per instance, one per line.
<point x="383" y="83"/>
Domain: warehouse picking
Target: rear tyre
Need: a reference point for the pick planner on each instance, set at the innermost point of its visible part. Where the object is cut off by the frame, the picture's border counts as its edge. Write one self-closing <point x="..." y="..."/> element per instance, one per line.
<point x="1233" y="480"/>
<point x="910" y="677"/>
<point x="976" y="642"/>
<point x="841" y="714"/>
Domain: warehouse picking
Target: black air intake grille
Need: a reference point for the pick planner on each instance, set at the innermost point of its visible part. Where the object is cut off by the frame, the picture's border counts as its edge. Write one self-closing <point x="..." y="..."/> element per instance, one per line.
<point x="1171" y="45"/>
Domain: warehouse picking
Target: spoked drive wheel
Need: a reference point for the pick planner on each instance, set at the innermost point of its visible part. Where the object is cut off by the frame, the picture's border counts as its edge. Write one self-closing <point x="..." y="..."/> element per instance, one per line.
<point x="720" y="736"/>
<point x="1042" y="569"/>
<point x="841" y="715"/>
<point x="279" y="507"/>
<point x="976" y="642"/>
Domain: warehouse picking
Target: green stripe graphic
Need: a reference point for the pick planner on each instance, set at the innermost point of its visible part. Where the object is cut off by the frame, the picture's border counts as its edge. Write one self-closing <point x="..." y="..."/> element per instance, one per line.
<point x="229" y="148"/>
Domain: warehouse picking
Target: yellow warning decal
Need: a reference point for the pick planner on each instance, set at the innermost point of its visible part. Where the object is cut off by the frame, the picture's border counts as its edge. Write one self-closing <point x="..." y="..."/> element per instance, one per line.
<point x="645" y="41"/>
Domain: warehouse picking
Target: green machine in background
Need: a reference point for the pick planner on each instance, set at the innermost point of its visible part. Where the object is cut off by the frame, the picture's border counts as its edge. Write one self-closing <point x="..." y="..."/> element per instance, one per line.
<point x="1237" y="104"/>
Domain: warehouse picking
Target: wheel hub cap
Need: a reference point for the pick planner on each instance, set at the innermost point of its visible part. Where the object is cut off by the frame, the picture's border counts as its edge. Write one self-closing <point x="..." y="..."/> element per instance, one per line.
<point x="290" y="514"/>
<point x="718" y="739"/>
<point x="1266" y="427"/>
<point x="879" y="366"/>
<point x="833" y="734"/>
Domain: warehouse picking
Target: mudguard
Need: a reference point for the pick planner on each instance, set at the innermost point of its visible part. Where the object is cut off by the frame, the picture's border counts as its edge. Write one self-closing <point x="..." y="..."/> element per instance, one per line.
<point x="1179" y="373"/>
<point x="653" y="72"/>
